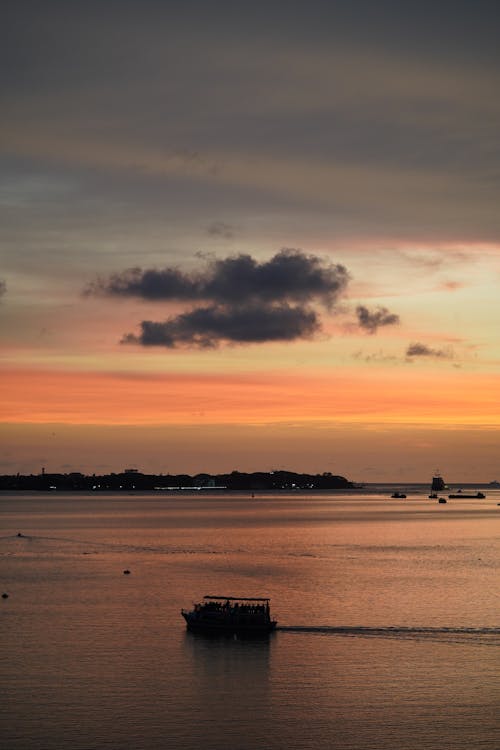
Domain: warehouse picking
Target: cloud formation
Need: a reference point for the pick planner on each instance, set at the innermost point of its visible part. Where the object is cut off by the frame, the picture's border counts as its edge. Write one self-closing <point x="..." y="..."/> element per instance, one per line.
<point x="422" y="350"/>
<point x="248" y="301"/>
<point x="221" y="229"/>
<point x="289" y="276"/>
<point x="206" y="327"/>
<point x="371" y="320"/>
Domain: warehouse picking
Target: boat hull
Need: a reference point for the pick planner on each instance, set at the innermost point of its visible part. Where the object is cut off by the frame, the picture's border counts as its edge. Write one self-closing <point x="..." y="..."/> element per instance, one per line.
<point x="469" y="496"/>
<point x="213" y="625"/>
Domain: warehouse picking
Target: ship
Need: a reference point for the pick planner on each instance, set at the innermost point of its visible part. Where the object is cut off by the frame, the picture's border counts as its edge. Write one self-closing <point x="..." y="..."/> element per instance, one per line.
<point x="230" y="614"/>
<point x="437" y="485"/>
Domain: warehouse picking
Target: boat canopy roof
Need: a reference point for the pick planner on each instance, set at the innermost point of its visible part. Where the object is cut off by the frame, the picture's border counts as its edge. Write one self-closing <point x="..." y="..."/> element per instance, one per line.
<point x="240" y="598"/>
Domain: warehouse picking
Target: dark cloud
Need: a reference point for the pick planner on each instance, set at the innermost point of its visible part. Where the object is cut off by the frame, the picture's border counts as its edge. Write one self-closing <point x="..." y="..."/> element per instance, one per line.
<point x="248" y="301"/>
<point x="289" y="276"/>
<point x="371" y="320"/>
<point x="422" y="350"/>
<point x="154" y="284"/>
<point x="208" y="326"/>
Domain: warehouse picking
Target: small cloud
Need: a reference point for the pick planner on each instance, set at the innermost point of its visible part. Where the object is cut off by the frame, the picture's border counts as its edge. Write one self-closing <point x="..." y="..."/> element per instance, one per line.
<point x="190" y="158"/>
<point x="424" y="259"/>
<point x="451" y="286"/>
<point x="372" y="320"/>
<point x="207" y="327"/>
<point x="436" y="259"/>
<point x="422" y="350"/>
<point x="374" y="357"/>
<point x="221" y="229"/>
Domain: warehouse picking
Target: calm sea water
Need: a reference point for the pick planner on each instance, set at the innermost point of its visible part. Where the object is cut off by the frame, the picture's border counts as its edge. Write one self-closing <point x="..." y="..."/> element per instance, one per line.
<point x="388" y="610"/>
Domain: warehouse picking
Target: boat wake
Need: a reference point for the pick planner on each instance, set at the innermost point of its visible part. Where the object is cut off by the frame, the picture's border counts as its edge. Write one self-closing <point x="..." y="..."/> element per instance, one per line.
<point x="476" y="636"/>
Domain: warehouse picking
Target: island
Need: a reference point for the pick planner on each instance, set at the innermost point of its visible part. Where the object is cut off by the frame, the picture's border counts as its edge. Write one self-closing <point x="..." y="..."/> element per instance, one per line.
<point x="133" y="479"/>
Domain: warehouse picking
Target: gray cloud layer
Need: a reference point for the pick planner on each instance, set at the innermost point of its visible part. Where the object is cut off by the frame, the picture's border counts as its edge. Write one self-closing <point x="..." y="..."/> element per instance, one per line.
<point x="249" y="301"/>
<point x="405" y="113"/>
<point x="371" y="320"/>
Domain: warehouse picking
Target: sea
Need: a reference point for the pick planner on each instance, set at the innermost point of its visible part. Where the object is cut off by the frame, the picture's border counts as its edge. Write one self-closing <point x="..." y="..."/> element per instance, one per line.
<point x="388" y="616"/>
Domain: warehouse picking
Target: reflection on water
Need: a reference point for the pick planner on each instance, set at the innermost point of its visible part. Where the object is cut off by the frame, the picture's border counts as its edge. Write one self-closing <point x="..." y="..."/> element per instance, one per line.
<point x="387" y="611"/>
<point x="231" y="686"/>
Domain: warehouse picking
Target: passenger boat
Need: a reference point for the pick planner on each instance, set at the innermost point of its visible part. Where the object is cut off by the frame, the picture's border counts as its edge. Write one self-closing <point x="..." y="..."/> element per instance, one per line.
<point x="230" y="614"/>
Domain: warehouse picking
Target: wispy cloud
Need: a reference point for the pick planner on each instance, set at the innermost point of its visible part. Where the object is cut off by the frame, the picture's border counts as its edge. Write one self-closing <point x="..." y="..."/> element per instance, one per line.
<point x="376" y="357"/>
<point x="422" y="350"/>
<point x="221" y="229"/>
<point x="372" y="320"/>
<point x="451" y="286"/>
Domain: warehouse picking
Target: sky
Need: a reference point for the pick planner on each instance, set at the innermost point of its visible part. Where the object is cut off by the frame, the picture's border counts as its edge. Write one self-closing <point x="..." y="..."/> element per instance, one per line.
<point x="250" y="236"/>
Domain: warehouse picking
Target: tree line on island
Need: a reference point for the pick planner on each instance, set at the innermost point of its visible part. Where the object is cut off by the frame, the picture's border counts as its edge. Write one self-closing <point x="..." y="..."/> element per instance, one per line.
<point x="132" y="479"/>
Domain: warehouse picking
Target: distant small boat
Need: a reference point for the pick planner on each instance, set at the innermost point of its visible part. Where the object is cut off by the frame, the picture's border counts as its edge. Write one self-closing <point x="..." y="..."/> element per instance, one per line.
<point x="398" y="494"/>
<point x="230" y="614"/>
<point x="442" y="500"/>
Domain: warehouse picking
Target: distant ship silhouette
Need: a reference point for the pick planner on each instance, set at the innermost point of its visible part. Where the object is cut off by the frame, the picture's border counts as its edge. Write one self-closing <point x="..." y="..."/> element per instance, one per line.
<point x="438" y="484"/>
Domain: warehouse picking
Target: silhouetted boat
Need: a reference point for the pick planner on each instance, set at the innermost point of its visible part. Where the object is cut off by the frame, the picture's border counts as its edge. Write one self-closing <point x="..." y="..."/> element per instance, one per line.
<point x="470" y="495"/>
<point x="230" y="614"/>
<point x="437" y="485"/>
<point x="398" y="494"/>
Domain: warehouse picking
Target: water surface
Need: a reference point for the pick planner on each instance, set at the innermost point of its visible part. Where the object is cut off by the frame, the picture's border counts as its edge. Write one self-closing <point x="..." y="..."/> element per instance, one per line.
<point x="389" y="628"/>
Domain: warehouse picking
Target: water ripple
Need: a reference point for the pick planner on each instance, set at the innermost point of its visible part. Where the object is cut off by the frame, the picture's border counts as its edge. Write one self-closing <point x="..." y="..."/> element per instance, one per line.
<point x="484" y="636"/>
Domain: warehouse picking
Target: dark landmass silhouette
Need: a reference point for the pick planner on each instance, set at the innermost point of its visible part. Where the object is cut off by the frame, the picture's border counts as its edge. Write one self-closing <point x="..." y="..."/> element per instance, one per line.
<point x="135" y="480"/>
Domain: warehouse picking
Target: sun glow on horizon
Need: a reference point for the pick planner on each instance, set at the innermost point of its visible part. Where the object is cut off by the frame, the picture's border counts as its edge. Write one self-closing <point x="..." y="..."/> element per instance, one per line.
<point x="346" y="396"/>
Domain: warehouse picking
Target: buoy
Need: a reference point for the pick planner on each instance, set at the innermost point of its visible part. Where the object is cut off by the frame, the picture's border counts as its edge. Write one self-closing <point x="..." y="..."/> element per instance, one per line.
<point x="126" y="572"/>
<point x="19" y="534"/>
<point x="5" y="596"/>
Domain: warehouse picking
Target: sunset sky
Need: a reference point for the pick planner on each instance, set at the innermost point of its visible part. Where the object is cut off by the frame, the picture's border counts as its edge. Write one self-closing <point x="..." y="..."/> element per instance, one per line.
<point x="251" y="236"/>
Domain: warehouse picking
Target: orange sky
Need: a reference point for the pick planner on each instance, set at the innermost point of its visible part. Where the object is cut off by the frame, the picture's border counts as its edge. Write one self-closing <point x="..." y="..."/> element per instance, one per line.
<point x="455" y="398"/>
